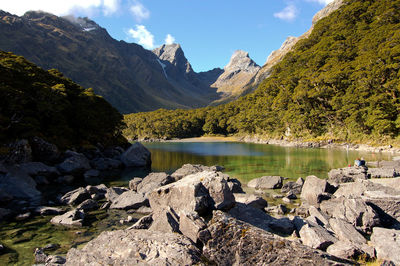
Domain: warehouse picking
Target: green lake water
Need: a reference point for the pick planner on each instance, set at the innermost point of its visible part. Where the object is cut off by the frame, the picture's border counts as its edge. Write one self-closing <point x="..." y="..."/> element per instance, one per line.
<point x="241" y="160"/>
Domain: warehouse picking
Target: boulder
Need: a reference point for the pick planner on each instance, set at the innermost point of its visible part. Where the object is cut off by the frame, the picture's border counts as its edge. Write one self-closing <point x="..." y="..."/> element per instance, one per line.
<point x="166" y="221"/>
<point x="105" y="164"/>
<point x="253" y="216"/>
<point x="387" y="244"/>
<point x="75" y="163"/>
<point x="354" y="211"/>
<point x="383" y="198"/>
<point x="293" y="187"/>
<point x="136" y="247"/>
<point x="190" y="224"/>
<point x="129" y="200"/>
<point x="282" y="225"/>
<point x="348" y="250"/>
<point x="114" y="192"/>
<point x="251" y="200"/>
<point x="71" y="218"/>
<point x="347" y="174"/>
<point x="133" y="184"/>
<point x="18" y="184"/>
<point x="346" y="231"/>
<point x="136" y="155"/>
<point x="43" y="151"/>
<point x="200" y="192"/>
<point x="314" y="189"/>
<point x="233" y="242"/>
<point x="322" y="217"/>
<point x="39" y="169"/>
<point x="143" y="223"/>
<point x="189" y="169"/>
<point x="75" y="197"/>
<point x="153" y="181"/>
<point x="316" y="236"/>
<point x="88" y="205"/>
<point x="266" y="182"/>
<point x="97" y="192"/>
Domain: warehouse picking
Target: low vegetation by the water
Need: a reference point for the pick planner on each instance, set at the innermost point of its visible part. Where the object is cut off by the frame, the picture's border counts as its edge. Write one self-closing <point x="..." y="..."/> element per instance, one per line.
<point x="343" y="82"/>
<point x="35" y="102"/>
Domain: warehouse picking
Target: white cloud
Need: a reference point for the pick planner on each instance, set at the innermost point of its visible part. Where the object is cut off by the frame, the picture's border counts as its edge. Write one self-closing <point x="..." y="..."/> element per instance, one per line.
<point x="289" y="13"/>
<point x="322" y="2"/>
<point x="169" y="39"/>
<point x="142" y="36"/>
<point x="87" y="7"/>
<point x="139" y="11"/>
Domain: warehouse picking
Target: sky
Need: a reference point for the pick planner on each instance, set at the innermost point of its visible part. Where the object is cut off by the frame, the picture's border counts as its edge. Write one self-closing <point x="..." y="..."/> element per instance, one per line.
<point x="209" y="31"/>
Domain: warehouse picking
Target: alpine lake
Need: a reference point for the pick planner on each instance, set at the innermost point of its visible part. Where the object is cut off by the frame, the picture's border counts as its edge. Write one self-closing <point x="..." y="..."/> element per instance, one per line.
<point x="243" y="161"/>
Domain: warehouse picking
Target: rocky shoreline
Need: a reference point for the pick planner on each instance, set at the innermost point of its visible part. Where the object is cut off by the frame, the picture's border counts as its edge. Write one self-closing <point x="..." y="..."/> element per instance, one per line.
<point x="199" y="215"/>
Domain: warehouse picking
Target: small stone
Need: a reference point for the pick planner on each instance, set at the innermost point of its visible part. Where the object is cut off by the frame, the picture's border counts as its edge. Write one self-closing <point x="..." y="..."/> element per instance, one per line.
<point x="40" y="256"/>
<point x="55" y="260"/>
<point x="277" y="196"/>
<point x="51" y="247"/>
<point x="286" y="200"/>
<point x="291" y="195"/>
<point x="23" y="216"/>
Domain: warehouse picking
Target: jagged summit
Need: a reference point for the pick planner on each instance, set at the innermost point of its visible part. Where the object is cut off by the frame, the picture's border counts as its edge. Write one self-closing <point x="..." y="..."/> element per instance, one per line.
<point x="241" y="61"/>
<point x="174" y="54"/>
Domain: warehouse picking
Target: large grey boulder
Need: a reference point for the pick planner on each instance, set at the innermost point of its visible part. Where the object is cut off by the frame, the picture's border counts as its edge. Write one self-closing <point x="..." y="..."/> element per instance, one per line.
<point x="383" y="197"/>
<point x="250" y="215"/>
<point x="75" y="163"/>
<point x="114" y="192"/>
<point x="88" y="205"/>
<point x="251" y="200"/>
<point x="190" y="225"/>
<point x="293" y="187"/>
<point x="200" y="192"/>
<point x="72" y="218"/>
<point x="129" y="200"/>
<point x="153" y="181"/>
<point x="348" y="250"/>
<point x="136" y="247"/>
<point x="165" y="220"/>
<point x="229" y="241"/>
<point x="133" y="184"/>
<point x="354" y="211"/>
<point x="18" y="184"/>
<point x="346" y="231"/>
<point x="387" y="244"/>
<point x="347" y="174"/>
<point x="39" y="168"/>
<point x="315" y="190"/>
<point x="136" y="155"/>
<point x="316" y="236"/>
<point x="75" y="197"/>
<point x="189" y="169"/>
<point x="266" y="182"/>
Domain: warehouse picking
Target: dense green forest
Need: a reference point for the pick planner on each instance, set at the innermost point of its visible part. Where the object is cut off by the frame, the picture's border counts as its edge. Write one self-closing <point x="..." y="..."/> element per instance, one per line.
<point x="35" y="102"/>
<point x="343" y="82"/>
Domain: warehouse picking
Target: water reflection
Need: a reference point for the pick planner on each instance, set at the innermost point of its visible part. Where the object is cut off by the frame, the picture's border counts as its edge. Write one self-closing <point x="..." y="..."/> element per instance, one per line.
<point x="246" y="161"/>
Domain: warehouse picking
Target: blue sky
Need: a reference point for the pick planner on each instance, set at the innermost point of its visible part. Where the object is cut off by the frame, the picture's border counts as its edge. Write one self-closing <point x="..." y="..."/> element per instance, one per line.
<point x="209" y="31"/>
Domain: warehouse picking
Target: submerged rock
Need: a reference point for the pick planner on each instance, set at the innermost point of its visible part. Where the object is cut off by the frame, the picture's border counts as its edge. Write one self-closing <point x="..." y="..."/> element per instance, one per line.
<point x="136" y="247"/>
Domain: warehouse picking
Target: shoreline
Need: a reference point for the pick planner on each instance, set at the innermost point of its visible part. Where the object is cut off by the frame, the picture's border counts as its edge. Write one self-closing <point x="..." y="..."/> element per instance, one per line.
<point x="286" y="143"/>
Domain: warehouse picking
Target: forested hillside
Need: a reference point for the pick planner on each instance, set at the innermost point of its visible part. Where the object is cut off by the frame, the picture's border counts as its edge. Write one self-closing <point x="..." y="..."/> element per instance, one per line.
<point x="35" y="102"/>
<point x="343" y="82"/>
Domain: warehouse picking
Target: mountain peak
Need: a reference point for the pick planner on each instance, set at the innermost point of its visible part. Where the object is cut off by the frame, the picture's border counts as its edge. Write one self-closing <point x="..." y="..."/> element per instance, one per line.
<point x="174" y="54"/>
<point x="84" y="23"/>
<point x="241" y="61"/>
